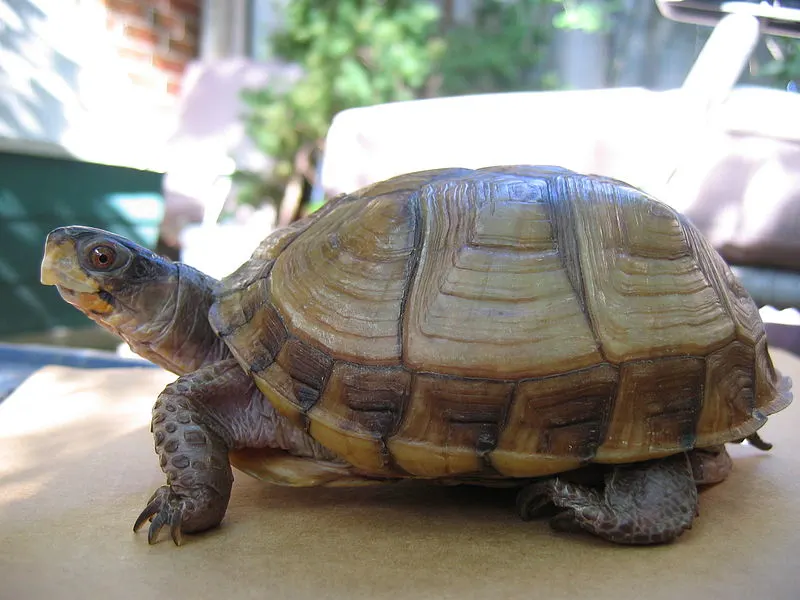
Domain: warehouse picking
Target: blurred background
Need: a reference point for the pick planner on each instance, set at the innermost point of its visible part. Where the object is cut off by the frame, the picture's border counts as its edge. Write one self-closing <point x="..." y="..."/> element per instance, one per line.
<point x="196" y="127"/>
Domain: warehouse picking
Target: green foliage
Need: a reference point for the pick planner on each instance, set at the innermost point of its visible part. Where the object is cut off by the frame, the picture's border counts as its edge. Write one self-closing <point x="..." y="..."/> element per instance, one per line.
<point x="504" y="47"/>
<point x="786" y="66"/>
<point x="591" y="17"/>
<point x="501" y="49"/>
<point x="363" y="52"/>
<point x="353" y="53"/>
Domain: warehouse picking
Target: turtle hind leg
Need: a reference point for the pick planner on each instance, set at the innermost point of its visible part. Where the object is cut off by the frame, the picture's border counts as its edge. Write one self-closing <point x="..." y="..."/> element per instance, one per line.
<point x="643" y="503"/>
<point x="710" y="465"/>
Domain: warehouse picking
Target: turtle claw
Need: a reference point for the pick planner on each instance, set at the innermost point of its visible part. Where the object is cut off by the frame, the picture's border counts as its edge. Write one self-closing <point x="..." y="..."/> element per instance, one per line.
<point x="164" y="508"/>
<point x="151" y="509"/>
<point x="176" y="532"/>
<point x="534" y="501"/>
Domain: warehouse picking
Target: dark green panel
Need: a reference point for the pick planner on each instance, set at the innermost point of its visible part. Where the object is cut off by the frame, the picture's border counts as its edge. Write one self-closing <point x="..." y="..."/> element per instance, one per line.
<point x="38" y="194"/>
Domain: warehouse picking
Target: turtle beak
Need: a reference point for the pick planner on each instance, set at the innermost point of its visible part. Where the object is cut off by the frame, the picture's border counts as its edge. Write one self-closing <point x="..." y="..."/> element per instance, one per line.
<point x="60" y="264"/>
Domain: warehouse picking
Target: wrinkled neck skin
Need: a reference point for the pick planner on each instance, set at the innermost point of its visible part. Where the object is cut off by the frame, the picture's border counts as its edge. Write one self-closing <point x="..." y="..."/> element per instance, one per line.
<point x="166" y="321"/>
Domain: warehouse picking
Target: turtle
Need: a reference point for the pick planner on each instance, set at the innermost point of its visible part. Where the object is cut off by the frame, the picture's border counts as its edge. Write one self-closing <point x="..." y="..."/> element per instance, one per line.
<point x="564" y="334"/>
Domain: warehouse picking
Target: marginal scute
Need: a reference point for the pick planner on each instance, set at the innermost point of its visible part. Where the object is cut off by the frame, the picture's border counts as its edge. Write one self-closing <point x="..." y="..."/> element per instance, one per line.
<point x="360" y="407"/>
<point x="309" y="369"/>
<point x="449" y="425"/>
<point x="772" y="390"/>
<point x="252" y="327"/>
<point x="728" y="411"/>
<point x="234" y="309"/>
<point x="279" y="388"/>
<point x="556" y="423"/>
<point x="656" y="408"/>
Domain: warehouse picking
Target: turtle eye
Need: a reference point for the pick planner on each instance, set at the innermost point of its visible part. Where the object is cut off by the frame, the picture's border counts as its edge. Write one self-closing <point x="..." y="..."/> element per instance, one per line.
<point x="102" y="257"/>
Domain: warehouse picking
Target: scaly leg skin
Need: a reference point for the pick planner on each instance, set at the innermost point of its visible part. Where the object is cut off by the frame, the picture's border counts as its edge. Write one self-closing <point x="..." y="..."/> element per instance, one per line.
<point x="643" y="503"/>
<point x="710" y="465"/>
<point x="192" y="441"/>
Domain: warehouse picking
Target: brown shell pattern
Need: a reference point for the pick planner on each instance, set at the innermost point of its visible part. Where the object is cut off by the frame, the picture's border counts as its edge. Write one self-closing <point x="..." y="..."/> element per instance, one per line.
<point x="504" y="322"/>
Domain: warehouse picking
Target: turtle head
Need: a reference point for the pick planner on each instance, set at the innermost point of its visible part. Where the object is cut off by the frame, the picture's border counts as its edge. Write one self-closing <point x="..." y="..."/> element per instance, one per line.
<point x="111" y="279"/>
<point x="152" y="303"/>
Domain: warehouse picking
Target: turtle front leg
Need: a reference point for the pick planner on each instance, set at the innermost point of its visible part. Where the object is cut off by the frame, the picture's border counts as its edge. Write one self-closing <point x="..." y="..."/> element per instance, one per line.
<point x="192" y="434"/>
<point x="645" y="503"/>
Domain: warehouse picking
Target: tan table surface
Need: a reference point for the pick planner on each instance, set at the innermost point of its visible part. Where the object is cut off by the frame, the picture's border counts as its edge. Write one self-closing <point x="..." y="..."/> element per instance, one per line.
<point x="77" y="466"/>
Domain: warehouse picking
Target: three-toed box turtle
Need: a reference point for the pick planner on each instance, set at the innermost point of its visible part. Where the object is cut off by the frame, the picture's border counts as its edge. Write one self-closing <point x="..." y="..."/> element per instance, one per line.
<point x="513" y="325"/>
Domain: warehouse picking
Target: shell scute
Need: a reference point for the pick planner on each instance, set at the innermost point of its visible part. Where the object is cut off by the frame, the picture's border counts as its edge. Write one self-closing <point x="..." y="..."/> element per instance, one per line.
<point x="655" y="410"/>
<point x="309" y="369"/>
<point x="360" y="408"/>
<point x="510" y="286"/>
<point x="633" y="315"/>
<point x="556" y="423"/>
<point x="342" y="283"/>
<point x="730" y="402"/>
<point x="449" y="425"/>
<point x="250" y="325"/>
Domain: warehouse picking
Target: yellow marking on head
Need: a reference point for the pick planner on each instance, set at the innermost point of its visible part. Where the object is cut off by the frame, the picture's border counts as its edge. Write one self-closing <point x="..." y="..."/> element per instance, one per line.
<point x="60" y="267"/>
<point x="93" y="303"/>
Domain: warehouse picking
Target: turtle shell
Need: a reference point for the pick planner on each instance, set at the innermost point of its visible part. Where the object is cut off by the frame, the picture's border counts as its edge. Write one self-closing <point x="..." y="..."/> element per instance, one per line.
<point x="505" y="322"/>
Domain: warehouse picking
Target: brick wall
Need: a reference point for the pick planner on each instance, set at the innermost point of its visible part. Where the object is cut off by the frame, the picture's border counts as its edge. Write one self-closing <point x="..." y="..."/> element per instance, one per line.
<point x="155" y="40"/>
